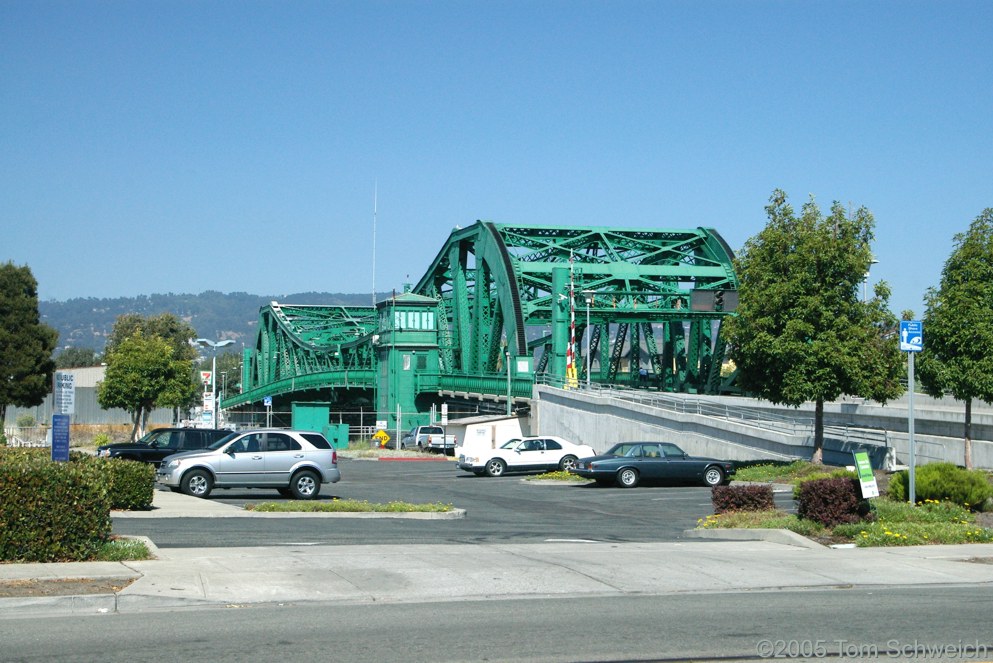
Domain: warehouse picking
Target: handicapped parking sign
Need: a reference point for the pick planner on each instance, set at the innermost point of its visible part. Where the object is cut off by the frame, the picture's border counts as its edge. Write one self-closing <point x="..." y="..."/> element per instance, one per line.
<point x="911" y="336"/>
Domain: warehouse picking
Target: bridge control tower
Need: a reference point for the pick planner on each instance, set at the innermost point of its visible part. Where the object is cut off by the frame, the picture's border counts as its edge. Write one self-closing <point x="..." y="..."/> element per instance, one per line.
<point x="406" y="350"/>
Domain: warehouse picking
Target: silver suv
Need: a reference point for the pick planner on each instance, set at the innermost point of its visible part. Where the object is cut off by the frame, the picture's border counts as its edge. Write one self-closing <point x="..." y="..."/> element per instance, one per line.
<point x="295" y="463"/>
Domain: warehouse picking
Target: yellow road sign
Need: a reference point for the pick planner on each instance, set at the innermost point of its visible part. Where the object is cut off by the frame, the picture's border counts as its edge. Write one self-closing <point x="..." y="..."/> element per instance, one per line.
<point x="382" y="436"/>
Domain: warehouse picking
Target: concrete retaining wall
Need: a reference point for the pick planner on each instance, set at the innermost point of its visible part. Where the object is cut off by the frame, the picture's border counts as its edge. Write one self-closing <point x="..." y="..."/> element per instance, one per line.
<point x="600" y="420"/>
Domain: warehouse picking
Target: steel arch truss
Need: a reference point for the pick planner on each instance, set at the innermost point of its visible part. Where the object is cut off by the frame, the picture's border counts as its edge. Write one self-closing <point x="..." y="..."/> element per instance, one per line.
<point x="498" y="287"/>
<point x="300" y="346"/>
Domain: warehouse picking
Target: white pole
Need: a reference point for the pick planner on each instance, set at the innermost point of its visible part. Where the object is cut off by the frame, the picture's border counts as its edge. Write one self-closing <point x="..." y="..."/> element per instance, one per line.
<point x="213" y="385"/>
<point x="508" y="384"/>
<point x="375" y="209"/>
<point x="589" y="337"/>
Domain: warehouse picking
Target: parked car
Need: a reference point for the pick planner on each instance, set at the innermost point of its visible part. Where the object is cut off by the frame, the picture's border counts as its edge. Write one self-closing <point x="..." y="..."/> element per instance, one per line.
<point x="425" y="438"/>
<point x="162" y="442"/>
<point x="545" y="452"/>
<point x="295" y="463"/>
<point x="629" y="463"/>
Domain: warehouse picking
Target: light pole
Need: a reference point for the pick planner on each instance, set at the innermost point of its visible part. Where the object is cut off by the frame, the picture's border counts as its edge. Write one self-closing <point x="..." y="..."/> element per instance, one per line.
<point x="588" y="296"/>
<point x="213" y="370"/>
<point x="508" y="383"/>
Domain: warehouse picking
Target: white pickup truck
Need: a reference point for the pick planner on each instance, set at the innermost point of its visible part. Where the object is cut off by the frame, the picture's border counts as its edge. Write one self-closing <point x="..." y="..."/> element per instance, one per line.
<point x="428" y="438"/>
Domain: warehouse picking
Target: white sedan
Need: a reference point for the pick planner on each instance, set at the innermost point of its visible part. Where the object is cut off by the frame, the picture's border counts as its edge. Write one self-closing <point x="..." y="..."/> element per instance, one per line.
<point x="521" y="454"/>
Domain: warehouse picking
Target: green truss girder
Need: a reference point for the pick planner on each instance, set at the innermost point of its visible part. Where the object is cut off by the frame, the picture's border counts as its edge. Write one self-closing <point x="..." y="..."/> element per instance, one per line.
<point x="496" y="285"/>
<point x="301" y="347"/>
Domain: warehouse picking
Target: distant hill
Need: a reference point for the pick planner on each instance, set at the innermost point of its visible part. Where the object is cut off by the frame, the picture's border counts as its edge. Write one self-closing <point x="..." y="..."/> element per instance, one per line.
<point x="86" y="322"/>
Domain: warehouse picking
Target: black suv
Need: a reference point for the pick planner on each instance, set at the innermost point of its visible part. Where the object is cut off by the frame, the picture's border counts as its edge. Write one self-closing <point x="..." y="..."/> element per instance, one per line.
<point x="162" y="442"/>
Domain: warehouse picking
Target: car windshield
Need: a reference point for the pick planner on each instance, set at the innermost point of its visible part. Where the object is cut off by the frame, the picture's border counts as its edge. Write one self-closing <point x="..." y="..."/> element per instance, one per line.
<point x="510" y="444"/>
<point x="221" y="442"/>
<point x="153" y="439"/>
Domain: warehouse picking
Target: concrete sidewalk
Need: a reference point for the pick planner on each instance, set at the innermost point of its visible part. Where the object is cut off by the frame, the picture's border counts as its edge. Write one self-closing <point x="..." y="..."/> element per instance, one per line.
<point x="361" y="574"/>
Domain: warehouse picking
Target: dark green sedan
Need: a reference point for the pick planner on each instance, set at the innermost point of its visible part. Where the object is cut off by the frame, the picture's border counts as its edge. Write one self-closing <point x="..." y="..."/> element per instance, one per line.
<point x="629" y="463"/>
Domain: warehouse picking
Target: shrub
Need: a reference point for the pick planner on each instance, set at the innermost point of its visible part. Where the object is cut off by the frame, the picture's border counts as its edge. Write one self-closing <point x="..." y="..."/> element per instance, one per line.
<point x="942" y="481"/>
<point x="129" y="483"/>
<point x="101" y="439"/>
<point x="832" y="501"/>
<point x="26" y="420"/>
<point x="742" y="498"/>
<point x="50" y="512"/>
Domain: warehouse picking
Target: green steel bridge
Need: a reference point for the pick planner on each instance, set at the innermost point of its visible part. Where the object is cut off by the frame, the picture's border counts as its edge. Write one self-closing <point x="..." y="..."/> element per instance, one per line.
<point x="501" y="306"/>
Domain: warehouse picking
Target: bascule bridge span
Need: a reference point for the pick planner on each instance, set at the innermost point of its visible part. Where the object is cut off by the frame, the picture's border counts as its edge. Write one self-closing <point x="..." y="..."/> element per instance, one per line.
<point x="500" y="307"/>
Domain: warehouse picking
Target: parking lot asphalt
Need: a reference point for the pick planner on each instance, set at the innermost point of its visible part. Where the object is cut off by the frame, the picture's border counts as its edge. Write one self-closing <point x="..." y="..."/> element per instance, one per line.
<point x="191" y="577"/>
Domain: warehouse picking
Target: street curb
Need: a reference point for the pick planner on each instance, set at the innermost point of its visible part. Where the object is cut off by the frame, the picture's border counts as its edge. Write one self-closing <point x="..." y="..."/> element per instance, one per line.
<point x="46" y="606"/>
<point x="782" y="536"/>
<point x="454" y="514"/>
<point x="404" y="459"/>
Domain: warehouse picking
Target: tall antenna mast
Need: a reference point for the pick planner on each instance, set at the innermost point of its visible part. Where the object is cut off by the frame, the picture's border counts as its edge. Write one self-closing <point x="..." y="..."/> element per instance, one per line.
<point x="375" y="210"/>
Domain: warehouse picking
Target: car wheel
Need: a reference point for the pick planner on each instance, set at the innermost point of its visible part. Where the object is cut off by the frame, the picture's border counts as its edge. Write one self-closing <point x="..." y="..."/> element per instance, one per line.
<point x="305" y="485"/>
<point x="197" y="483"/>
<point x="567" y="463"/>
<point x="627" y="478"/>
<point x="495" y="467"/>
<point x="713" y="476"/>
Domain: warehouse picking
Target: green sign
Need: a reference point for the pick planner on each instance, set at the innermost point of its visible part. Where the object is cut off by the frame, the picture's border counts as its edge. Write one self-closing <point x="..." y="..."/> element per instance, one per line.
<point x="866" y="478"/>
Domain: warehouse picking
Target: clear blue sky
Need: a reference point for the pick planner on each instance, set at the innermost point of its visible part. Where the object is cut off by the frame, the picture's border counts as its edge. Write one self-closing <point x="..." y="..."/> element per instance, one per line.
<point x="153" y="147"/>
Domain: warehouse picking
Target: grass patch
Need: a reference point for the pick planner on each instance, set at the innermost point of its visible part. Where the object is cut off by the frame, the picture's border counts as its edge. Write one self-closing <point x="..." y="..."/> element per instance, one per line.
<point x="558" y="475"/>
<point x="780" y="473"/>
<point x="347" y="506"/>
<point x="772" y="519"/>
<point x="894" y="524"/>
<point x="122" y="550"/>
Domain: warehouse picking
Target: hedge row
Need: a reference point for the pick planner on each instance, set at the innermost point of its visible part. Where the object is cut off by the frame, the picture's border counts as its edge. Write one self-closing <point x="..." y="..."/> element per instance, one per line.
<point x="54" y="512"/>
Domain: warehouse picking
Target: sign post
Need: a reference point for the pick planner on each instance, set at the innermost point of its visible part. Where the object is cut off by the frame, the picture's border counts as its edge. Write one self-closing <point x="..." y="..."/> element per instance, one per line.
<point x="60" y="437"/>
<point x="65" y="393"/>
<point x="911" y="342"/>
<point x="866" y="477"/>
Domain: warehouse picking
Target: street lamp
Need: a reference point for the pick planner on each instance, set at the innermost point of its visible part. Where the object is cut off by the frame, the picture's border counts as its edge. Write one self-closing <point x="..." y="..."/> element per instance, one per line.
<point x="213" y="370"/>
<point x="588" y="296"/>
<point x="865" y="282"/>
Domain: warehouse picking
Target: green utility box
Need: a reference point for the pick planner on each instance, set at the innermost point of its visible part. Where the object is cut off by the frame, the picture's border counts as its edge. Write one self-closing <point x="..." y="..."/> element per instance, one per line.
<point x="315" y="416"/>
<point x="337" y="435"/>
<point x="310" y="416"/>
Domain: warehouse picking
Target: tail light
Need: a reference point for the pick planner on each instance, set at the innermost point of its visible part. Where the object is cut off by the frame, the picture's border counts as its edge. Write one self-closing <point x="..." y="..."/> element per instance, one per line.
<point x="334" y="456"/>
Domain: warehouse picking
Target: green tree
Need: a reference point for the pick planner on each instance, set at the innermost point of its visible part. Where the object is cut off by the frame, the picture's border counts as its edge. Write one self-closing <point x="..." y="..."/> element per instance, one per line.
<point x="26" y="344"/>
<point x="801" y="332"/>
<point x="77" y="358"/>
<point x="958" y="321"/>
<point x="165" y="325"/>
<point x="142" y="374"/>
<point x="178" y="334"/>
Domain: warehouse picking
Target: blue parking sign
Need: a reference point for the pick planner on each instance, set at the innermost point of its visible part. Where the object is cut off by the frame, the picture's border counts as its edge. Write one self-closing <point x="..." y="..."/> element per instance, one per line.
<point x="911" y="335"/>
<point x="60" y="437"/>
